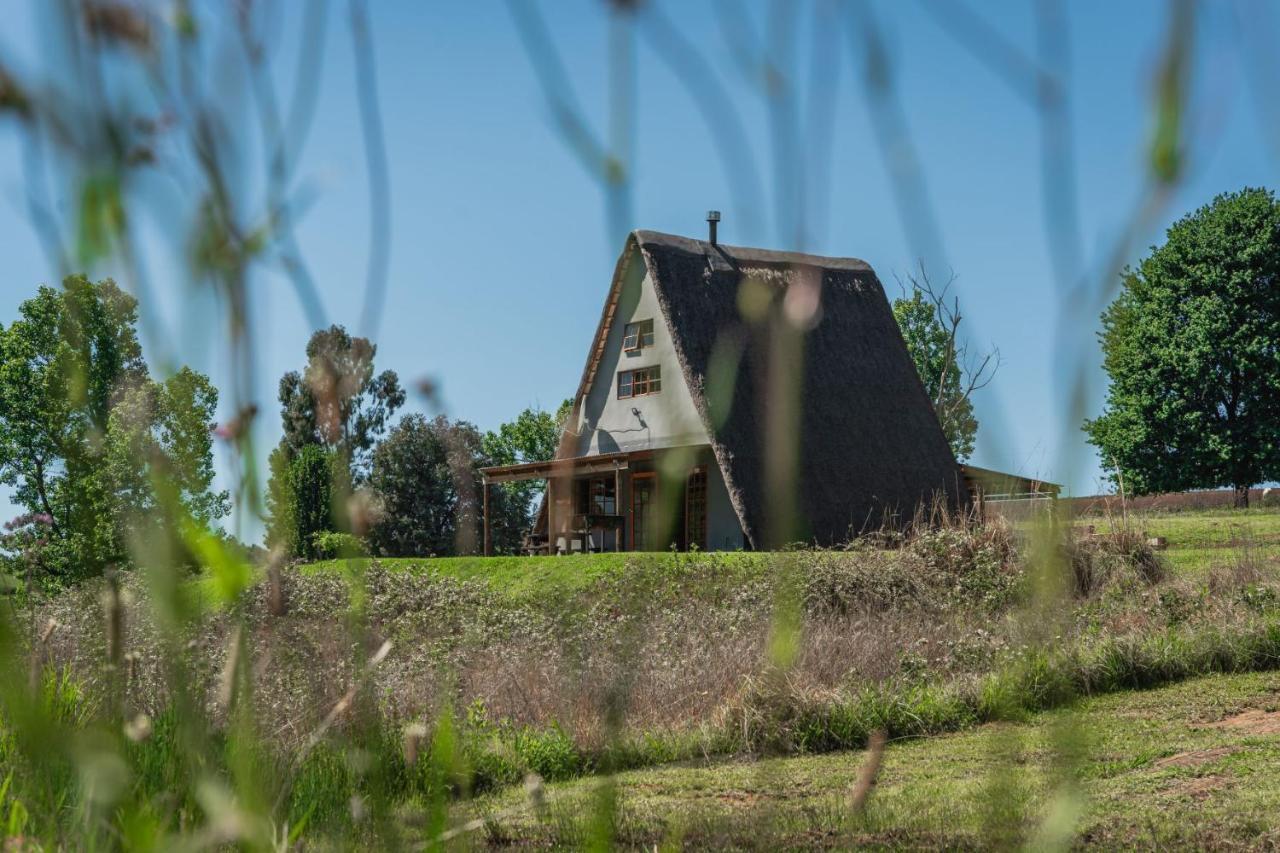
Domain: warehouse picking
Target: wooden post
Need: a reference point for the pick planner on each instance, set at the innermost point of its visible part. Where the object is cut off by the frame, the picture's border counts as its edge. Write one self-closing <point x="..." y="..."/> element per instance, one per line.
<point x="617" y="507"/>
<point x="488" y="531"/>
<point x="551" y="521"/>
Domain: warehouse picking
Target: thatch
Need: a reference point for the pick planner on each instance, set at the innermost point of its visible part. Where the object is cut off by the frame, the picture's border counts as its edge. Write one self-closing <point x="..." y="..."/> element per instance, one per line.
<point x="870" y="449"/>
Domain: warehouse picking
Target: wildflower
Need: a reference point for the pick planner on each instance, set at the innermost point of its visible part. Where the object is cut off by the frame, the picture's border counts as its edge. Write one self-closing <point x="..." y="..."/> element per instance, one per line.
<point x="414" y="735"/>
<point x="138" y="729"/>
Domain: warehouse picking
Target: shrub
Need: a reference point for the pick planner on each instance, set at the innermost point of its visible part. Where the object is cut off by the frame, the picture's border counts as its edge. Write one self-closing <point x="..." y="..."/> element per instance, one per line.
<point x="1121" y="556"/>
<point x="978" y="563"/>
<point x="331" y="544"/>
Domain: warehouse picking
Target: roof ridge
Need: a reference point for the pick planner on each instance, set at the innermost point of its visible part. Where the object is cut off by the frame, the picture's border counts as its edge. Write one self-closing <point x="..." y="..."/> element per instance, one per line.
<point x="753" y="254"/>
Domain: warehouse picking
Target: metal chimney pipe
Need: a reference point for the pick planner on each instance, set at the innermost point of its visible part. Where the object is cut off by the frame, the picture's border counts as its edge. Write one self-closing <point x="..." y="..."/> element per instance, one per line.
<point x="713" y="219"/>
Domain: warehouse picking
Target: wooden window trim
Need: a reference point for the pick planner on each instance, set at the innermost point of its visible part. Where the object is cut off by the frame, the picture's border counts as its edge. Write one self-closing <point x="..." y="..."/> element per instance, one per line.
<point x="639" y="333"/>
<point x="647" y="378"/>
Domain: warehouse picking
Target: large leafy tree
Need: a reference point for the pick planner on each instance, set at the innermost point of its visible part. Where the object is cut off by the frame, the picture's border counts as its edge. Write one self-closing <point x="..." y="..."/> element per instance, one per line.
<point x="534" y="436"/>
<point x="86" y="435"/>
<point x="426" y="473"/>
<point x="160" y="432"/>
<point x="337" y="401"/>
<point x="930" y="327"/>
<point x="1192" y="348"/>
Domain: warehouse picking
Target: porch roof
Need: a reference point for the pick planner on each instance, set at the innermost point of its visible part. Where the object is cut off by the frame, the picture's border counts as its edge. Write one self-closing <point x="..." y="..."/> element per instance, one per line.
<point x="601" y="463"/>
<point x="1011" y="484"/>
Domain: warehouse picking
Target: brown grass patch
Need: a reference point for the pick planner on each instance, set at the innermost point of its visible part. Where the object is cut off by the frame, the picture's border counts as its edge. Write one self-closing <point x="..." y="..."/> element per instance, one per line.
<point x="1254" y="721"/>
<point x="1197" y="757"/>
<point x="1200" y="787"/>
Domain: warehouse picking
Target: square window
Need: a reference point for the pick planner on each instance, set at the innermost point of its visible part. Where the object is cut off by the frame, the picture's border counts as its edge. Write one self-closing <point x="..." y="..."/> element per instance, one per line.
<point x="638" y="335"/>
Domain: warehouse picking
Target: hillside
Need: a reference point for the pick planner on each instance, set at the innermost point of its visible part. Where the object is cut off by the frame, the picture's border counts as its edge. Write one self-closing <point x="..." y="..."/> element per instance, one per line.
<point x="1192" y="765"/>
<point x="579" y="666"/>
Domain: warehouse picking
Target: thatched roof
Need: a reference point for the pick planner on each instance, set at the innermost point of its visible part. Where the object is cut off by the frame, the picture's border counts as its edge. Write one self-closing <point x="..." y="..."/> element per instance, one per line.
<point x="868" y="446"/>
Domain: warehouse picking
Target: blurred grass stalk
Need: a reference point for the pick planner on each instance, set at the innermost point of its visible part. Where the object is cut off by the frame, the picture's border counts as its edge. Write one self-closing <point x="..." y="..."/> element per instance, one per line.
<point x="129" y="91"/>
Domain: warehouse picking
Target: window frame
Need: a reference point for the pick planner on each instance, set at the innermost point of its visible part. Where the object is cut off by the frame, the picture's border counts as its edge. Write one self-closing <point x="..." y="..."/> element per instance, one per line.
<point x="651" y="382"/>
<point x="641" y="337"/>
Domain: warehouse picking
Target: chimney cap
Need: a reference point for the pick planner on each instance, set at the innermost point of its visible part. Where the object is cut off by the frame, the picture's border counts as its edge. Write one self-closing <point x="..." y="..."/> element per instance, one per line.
<point x="713" y="216"/>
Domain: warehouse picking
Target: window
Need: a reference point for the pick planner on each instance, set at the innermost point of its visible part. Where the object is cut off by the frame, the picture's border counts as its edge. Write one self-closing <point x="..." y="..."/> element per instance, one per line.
<point x="636" y="336"/>
<point x="639" y="382"/>
<point x="596" y="496"/>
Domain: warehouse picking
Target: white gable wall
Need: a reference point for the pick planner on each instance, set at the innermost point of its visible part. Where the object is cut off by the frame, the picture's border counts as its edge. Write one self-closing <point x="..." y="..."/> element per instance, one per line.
<point x="666" y="419"/>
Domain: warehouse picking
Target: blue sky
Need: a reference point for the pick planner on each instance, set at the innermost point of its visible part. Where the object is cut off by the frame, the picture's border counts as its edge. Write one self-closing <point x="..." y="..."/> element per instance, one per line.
<point x="501" y="250"/>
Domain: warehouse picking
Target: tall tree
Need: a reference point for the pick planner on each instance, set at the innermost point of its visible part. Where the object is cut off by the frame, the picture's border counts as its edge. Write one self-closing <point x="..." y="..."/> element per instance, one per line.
<point x="312" y="475"/>
<point x="337" y="401"/>
<point x="1192" y="348"/>
<point x="426" y="473"/>
<point x="83" y="427"/>
<point x="930" y="325"/>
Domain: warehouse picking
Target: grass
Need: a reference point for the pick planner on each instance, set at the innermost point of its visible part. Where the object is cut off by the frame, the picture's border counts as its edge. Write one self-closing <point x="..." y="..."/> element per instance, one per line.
<point x="1202" y="540"/>
<point x="531" y="578"/>
<point x="1154" y="768"/>
<point x="1201" y="528"/>
<point x="574" y="666"/>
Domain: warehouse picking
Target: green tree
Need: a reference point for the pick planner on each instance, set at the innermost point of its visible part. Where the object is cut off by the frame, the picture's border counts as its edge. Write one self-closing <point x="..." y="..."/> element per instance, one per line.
<point x="161" y="431"/>
<point x="279" y="500"/>
<point x="85" y="434"/>
<point x="311" y="483"/>
<point x="930" y="327"/>
<point x="534" y="436"/>
<point x="337" y="401"/>
<point x="1192" y="349"/>
<point x="426" y="474"/>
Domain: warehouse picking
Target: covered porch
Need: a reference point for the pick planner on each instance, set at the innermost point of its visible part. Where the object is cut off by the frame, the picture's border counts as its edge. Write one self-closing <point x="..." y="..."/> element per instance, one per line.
<point x="648" y="500"/>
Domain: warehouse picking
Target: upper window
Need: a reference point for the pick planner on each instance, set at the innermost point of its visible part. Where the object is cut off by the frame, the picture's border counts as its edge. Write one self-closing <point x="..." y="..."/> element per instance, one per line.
<point x="638" y="382"/>
<point x="636" y="336"/>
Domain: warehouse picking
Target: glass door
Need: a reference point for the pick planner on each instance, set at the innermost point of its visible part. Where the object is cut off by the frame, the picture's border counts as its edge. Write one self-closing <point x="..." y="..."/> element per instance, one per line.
<point x="695" y="510"/>
<point x="644" y="493"/>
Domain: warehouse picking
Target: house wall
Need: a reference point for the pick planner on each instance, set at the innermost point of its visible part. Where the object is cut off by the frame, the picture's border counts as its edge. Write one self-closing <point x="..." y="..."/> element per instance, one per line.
<point x="666" y="419"/>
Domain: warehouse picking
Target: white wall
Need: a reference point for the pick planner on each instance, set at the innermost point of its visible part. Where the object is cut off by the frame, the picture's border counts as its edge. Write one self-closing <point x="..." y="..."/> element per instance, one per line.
<point x="666" y="419"/>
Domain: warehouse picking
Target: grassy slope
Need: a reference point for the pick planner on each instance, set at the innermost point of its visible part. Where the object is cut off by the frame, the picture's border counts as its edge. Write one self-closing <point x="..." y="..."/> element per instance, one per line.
<point x="526" y="578"/>
<point x="1198" y="541"/>
<point x="1152" y="769"/>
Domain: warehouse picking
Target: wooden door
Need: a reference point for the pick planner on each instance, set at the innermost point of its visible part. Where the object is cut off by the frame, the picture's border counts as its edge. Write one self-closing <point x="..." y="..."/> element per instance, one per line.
<point x="644" y="510"/>
<point x="695" y="510"/>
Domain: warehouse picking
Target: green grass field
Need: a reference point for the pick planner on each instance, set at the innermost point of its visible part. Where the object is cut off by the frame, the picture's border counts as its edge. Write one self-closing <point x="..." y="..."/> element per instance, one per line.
<point x="1195" y="764"/>
<point x="535" y="578"/>
<point x="1203" y="540"/>
<point x="1197" y="542"/>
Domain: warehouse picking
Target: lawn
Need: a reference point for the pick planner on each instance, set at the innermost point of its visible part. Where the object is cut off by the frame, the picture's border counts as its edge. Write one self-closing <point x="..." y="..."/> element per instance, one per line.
<point x="1197" y="542"/>
<point x="1195" y="764"/>
<point x="1205" y="539"/>
<point x="537" y="578"/>
<point x="1200" y="529"/>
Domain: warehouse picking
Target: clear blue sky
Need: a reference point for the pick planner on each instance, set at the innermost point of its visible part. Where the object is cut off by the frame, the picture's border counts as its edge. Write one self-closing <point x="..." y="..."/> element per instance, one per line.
<point x="501" y="251"/>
